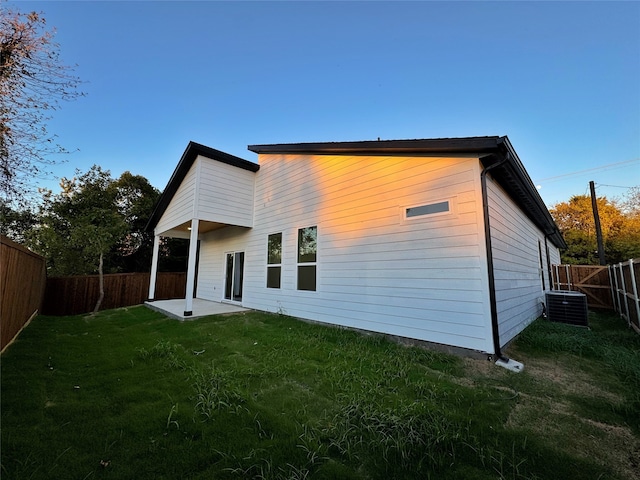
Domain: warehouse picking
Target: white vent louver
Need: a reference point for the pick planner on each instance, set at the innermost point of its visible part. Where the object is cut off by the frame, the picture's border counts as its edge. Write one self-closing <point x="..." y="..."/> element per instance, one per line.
<point x="567" y="307"/>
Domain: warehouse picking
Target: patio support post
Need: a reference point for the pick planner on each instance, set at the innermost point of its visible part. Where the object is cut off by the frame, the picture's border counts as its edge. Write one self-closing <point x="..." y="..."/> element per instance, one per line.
<point x="191" y="268"/>
<point x="154" y="268"/>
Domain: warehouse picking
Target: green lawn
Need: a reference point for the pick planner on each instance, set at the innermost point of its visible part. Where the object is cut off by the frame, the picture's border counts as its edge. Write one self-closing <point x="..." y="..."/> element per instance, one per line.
<point x="131" y="394"/>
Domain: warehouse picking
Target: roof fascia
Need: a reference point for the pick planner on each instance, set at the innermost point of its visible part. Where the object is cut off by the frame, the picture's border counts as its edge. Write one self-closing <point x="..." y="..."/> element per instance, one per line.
<point x="514" y="178"/>
<point x="389" y="147"/>
<point x="189" y="156"/>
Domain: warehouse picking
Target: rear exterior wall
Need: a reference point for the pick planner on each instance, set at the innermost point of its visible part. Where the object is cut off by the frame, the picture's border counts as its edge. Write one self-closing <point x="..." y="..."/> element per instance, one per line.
<point x="423" y="278"/>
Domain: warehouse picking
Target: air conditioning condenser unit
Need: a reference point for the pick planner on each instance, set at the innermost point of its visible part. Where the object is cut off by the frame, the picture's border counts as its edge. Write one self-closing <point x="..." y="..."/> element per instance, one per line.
<point x="567" y="307"/>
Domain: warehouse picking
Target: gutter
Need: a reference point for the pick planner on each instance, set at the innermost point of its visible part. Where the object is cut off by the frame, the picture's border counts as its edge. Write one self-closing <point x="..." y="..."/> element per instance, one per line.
<point x="501" y="360"/>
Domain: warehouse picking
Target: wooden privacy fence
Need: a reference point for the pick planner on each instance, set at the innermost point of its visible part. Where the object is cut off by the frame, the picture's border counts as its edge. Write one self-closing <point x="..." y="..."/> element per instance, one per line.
<point x="625" y="286"/>
<point x="592" y="280"/>
<point x="615" y="287"/>
<point x="22" y="285"/>
<point x="75" y="295"/>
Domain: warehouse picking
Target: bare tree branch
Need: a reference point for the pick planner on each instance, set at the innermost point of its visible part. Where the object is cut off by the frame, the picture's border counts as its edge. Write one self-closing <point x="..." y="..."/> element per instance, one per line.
<point x="33" y="83"/>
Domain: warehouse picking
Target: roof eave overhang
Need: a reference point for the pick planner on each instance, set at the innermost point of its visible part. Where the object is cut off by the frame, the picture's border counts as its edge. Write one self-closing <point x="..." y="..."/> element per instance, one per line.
<point x="513" y="177"/>
<point x="382" y="147"/>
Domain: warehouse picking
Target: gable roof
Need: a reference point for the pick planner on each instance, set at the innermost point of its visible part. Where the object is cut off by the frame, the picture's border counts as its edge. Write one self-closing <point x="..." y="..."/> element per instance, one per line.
<point x="189" y="156"/>
<point x="496" y="152"/>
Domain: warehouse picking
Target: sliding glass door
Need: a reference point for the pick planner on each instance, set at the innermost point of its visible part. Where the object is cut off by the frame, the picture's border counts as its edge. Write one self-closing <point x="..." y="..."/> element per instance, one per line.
<point x="234" y="274"/>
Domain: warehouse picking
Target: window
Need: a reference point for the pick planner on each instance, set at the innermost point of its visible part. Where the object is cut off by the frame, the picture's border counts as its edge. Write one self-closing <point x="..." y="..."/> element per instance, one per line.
<point x="274" y="260"/>
<point x="430" y="209"/>
<point x="307" y="255"/>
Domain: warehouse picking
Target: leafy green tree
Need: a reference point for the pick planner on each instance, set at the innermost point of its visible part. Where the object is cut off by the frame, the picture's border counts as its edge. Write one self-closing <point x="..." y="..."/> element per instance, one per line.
<point x="81" y="224"/>
<point x="16" y="223"/>
<point x="126" y="202"/>
<point x="173" y="255"/>
<point x="135" y="199"/>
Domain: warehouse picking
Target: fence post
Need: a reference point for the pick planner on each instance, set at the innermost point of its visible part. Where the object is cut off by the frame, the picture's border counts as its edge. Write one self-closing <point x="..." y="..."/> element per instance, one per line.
<point x="618" y="268"/>
<point x="636" y="301"/>
<point x="566" y="268"/>
<point x="613" y="278"/>
<point x="624" y="295"/>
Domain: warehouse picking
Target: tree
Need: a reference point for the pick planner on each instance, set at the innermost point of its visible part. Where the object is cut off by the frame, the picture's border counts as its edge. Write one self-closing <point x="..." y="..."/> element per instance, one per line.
<point x="33" y="82"/>
<point x="128" y="201"/>
<point x="95" y="223"/>
<point x="16" y="223"/>
<point x="620" y="229"/>
<point x="135" y="199"/>
<point x="82" y="221"/>
<point x="631" y="205"/>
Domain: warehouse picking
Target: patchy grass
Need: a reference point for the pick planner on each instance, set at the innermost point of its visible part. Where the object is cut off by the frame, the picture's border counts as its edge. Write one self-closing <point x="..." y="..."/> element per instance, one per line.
<point x="132" y="394"/>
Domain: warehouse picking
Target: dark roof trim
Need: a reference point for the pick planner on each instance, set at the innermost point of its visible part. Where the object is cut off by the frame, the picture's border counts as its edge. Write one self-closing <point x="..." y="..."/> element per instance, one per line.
<point x="513" y="177"/>
<point x="511" y="174"/>
<point x="186" y="161"/>
<point x="372" y="147"/>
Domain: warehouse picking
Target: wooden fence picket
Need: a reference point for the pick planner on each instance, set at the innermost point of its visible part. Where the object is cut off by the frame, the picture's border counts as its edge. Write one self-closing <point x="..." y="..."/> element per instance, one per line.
<point x="22" y="285"/>
<point x="592" y="280"/>
<point x="626" y="286"/>
<point x="76" y="295"/>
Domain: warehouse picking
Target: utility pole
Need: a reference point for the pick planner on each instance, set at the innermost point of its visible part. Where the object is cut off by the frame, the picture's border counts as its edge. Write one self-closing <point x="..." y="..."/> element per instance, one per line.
<point x="596" y="217"/>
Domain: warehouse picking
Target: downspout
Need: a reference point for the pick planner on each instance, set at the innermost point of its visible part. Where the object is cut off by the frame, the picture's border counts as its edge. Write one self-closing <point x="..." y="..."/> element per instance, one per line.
<point x="492" y="281"/>
<point x="546" y="250"/>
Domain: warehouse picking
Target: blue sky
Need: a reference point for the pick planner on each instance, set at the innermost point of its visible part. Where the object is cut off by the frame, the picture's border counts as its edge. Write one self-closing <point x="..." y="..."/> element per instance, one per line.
<point x="562" y="80"/>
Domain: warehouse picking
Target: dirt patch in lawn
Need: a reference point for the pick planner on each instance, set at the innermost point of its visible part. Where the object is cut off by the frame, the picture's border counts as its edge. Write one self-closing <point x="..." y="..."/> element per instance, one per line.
<point x="614" y="446"/>
<point x="572" y="381"/>
<point x="549" y="386"/>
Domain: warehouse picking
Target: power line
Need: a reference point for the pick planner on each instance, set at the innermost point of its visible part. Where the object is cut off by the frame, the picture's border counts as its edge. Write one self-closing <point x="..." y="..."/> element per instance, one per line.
<point x="614" y="186"/>
<point x="588" y="170"/>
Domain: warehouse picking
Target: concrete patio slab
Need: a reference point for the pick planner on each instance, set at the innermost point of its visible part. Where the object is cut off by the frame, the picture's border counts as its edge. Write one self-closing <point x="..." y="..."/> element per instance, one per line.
<point x="201" y="308"/>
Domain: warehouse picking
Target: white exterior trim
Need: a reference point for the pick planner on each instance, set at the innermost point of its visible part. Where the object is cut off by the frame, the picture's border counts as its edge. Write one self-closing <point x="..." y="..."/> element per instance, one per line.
<point x="191" y="267"/>
<point x="154" y="267"/>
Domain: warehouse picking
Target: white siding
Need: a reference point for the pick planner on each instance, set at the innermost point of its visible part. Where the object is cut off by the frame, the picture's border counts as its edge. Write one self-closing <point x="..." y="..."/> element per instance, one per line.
<point x="225" y="193"/>
<point x="212" y="191"/>
<point x="554" y="256"/>
<point x="423" y="278"/>
<point x="211" y="270"/>
<point x="181" y="207"/>
<point x="516" y="245"/>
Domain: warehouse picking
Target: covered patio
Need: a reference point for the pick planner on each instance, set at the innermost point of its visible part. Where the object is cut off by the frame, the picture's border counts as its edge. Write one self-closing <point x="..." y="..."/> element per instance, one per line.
<point x="201" y="197"/>
<point x="201" y="308"/>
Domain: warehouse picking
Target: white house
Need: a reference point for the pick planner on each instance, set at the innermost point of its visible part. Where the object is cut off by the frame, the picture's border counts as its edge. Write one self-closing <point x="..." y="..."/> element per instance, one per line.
<point x="440" y="240"/>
